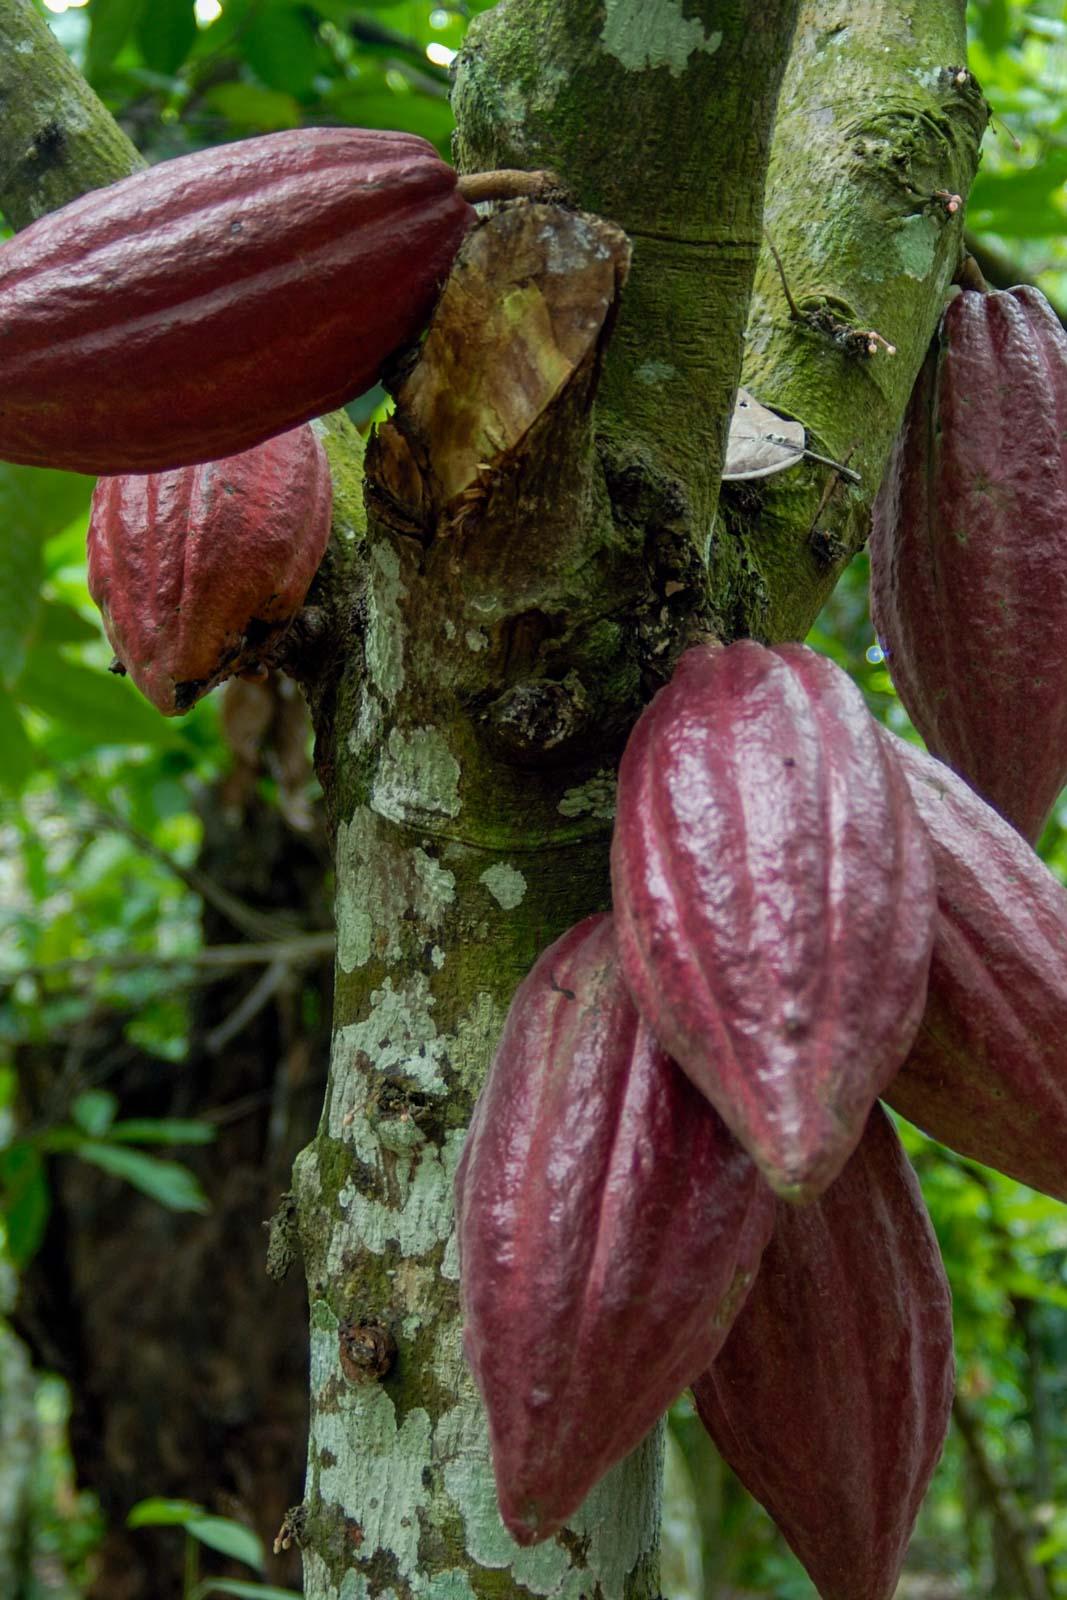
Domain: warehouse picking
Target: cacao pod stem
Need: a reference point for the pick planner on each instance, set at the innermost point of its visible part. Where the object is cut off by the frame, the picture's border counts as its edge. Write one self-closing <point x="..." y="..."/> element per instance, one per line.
<point x="510" y="184"/>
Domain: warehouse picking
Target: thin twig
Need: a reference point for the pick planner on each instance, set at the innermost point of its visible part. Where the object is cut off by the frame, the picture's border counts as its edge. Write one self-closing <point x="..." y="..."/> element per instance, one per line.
<point x="292" y="952"/>
<point x="257" y="924"/>
<point x="261" y="994"/>
<point x="796" y="314"/>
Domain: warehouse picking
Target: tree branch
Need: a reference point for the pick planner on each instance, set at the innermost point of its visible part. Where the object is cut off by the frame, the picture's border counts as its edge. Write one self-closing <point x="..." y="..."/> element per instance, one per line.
<point x="257" y="924"/>
<point x="877" y="123"/>
<point x="57" y="139"/>
<point x="221" y="958"/>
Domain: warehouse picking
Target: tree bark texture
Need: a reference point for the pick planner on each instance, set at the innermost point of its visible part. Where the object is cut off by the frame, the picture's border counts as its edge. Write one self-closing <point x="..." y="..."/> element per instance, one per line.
<point x="544" y="537"/>
<point x="58" y="140"/>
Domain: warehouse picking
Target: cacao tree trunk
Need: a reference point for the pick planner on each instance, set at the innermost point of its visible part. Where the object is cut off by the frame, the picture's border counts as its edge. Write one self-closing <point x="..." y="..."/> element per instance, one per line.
<point x="494" y="626"/>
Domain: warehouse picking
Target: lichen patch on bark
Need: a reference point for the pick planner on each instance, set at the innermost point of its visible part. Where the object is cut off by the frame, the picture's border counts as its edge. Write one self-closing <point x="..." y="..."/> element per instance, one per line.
<point x="375" y="895"/>
<point x="505" y="883"/>
<point x="613" y="1545"/>
<point x="641" y="35"/>
<point x="385" y="628"/>
<point x="417" y="778"/>
<point x="595" y="798"/>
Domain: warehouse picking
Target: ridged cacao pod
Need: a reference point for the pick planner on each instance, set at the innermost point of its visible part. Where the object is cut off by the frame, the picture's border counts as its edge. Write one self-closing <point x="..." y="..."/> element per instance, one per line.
<point x="832" y="1394"/>
<point x="198" y="571"/>
<point x="202" y="306"/>
<point x="774" y="900"/>
<point x="986" y="1073"/>
<point x="969" y="552"/>
<point x="609" y="1228"/>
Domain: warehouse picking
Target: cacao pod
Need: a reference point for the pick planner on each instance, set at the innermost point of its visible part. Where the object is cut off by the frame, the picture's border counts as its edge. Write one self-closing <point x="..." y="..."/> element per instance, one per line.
<point x="831" y="1396"/>
<point x="774" y="900"/>
<point x="609" y="1228"/>
<point x="198" y="571"/>
<point x="199" y="307"/>
<point x="986" y="1072"/>
<point x="969" y="552"/>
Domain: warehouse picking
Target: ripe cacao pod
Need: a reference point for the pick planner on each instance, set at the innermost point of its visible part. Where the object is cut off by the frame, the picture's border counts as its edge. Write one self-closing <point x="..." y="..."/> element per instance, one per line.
<point x="198" y="571"/>
<point x="609" y="1228"/>
<point x="202" y="306"/>
<point x="831" y="1396"/>
<point x="774" y="900"/>
<point x="969" y="552"/>
<point x="986" y="1072"/>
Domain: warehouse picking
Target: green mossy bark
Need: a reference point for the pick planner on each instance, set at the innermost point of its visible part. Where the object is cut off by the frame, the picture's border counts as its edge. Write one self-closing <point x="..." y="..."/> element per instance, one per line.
<point x="58" y="139"/>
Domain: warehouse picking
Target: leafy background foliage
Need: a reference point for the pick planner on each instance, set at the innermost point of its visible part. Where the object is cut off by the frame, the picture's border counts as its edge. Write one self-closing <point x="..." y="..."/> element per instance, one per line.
<point x="99" y="821"/>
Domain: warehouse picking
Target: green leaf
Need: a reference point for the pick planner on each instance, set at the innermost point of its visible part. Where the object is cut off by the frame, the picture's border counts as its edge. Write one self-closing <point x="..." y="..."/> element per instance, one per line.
<point x="110" y="24"/>
<point x="161" y="1130"/>
<point x="282" y="50"/>
<point x="416" y="112"/>
<point x="158" y="1512"/>
<point x="993" y="24"/>
<point x="20" y="581"/>
<point x="248" y="106"/>
<point x="102" y="708"/>
<point x="40" y="499"/>
<point x="17" y="755"/>
<point x="229" y="1538"/>
<point x="243" y="1591"/>
<point x="166" y="33"/>
<point x="173" y="1185"/>
<point x="94" y="1111"/>
<point x="1020" y="202"/>
<point x="59" y="623"/>
<point x="25" y="1199"/>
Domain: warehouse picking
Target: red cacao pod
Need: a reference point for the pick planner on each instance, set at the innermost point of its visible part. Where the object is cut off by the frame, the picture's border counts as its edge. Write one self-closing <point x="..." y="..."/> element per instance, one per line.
<point x="969" y="552"/>
<point x="831" y="1396"/>
<point x="774" y="900"/>
<point x="199" y="307"/>
<point x="609" y="1228"/>
<point x="986" y="1072"/>
<point x="199" y="570"/>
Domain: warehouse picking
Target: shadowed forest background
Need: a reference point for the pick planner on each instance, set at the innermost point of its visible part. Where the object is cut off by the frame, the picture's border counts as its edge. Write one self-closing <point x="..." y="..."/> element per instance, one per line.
<point x="166" y="956"/>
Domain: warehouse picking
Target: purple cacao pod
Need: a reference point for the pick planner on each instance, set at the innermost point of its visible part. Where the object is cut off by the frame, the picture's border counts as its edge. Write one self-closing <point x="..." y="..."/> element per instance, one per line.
<point x="986" y="1073"/>
<point x="609" y="1229"/>
<point x="969" y="552"/>
<point x="199" y="570"/>
<point x="195" y="309"/>
<point x="774" y="900"/>
<point x="831" y="1396"/>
